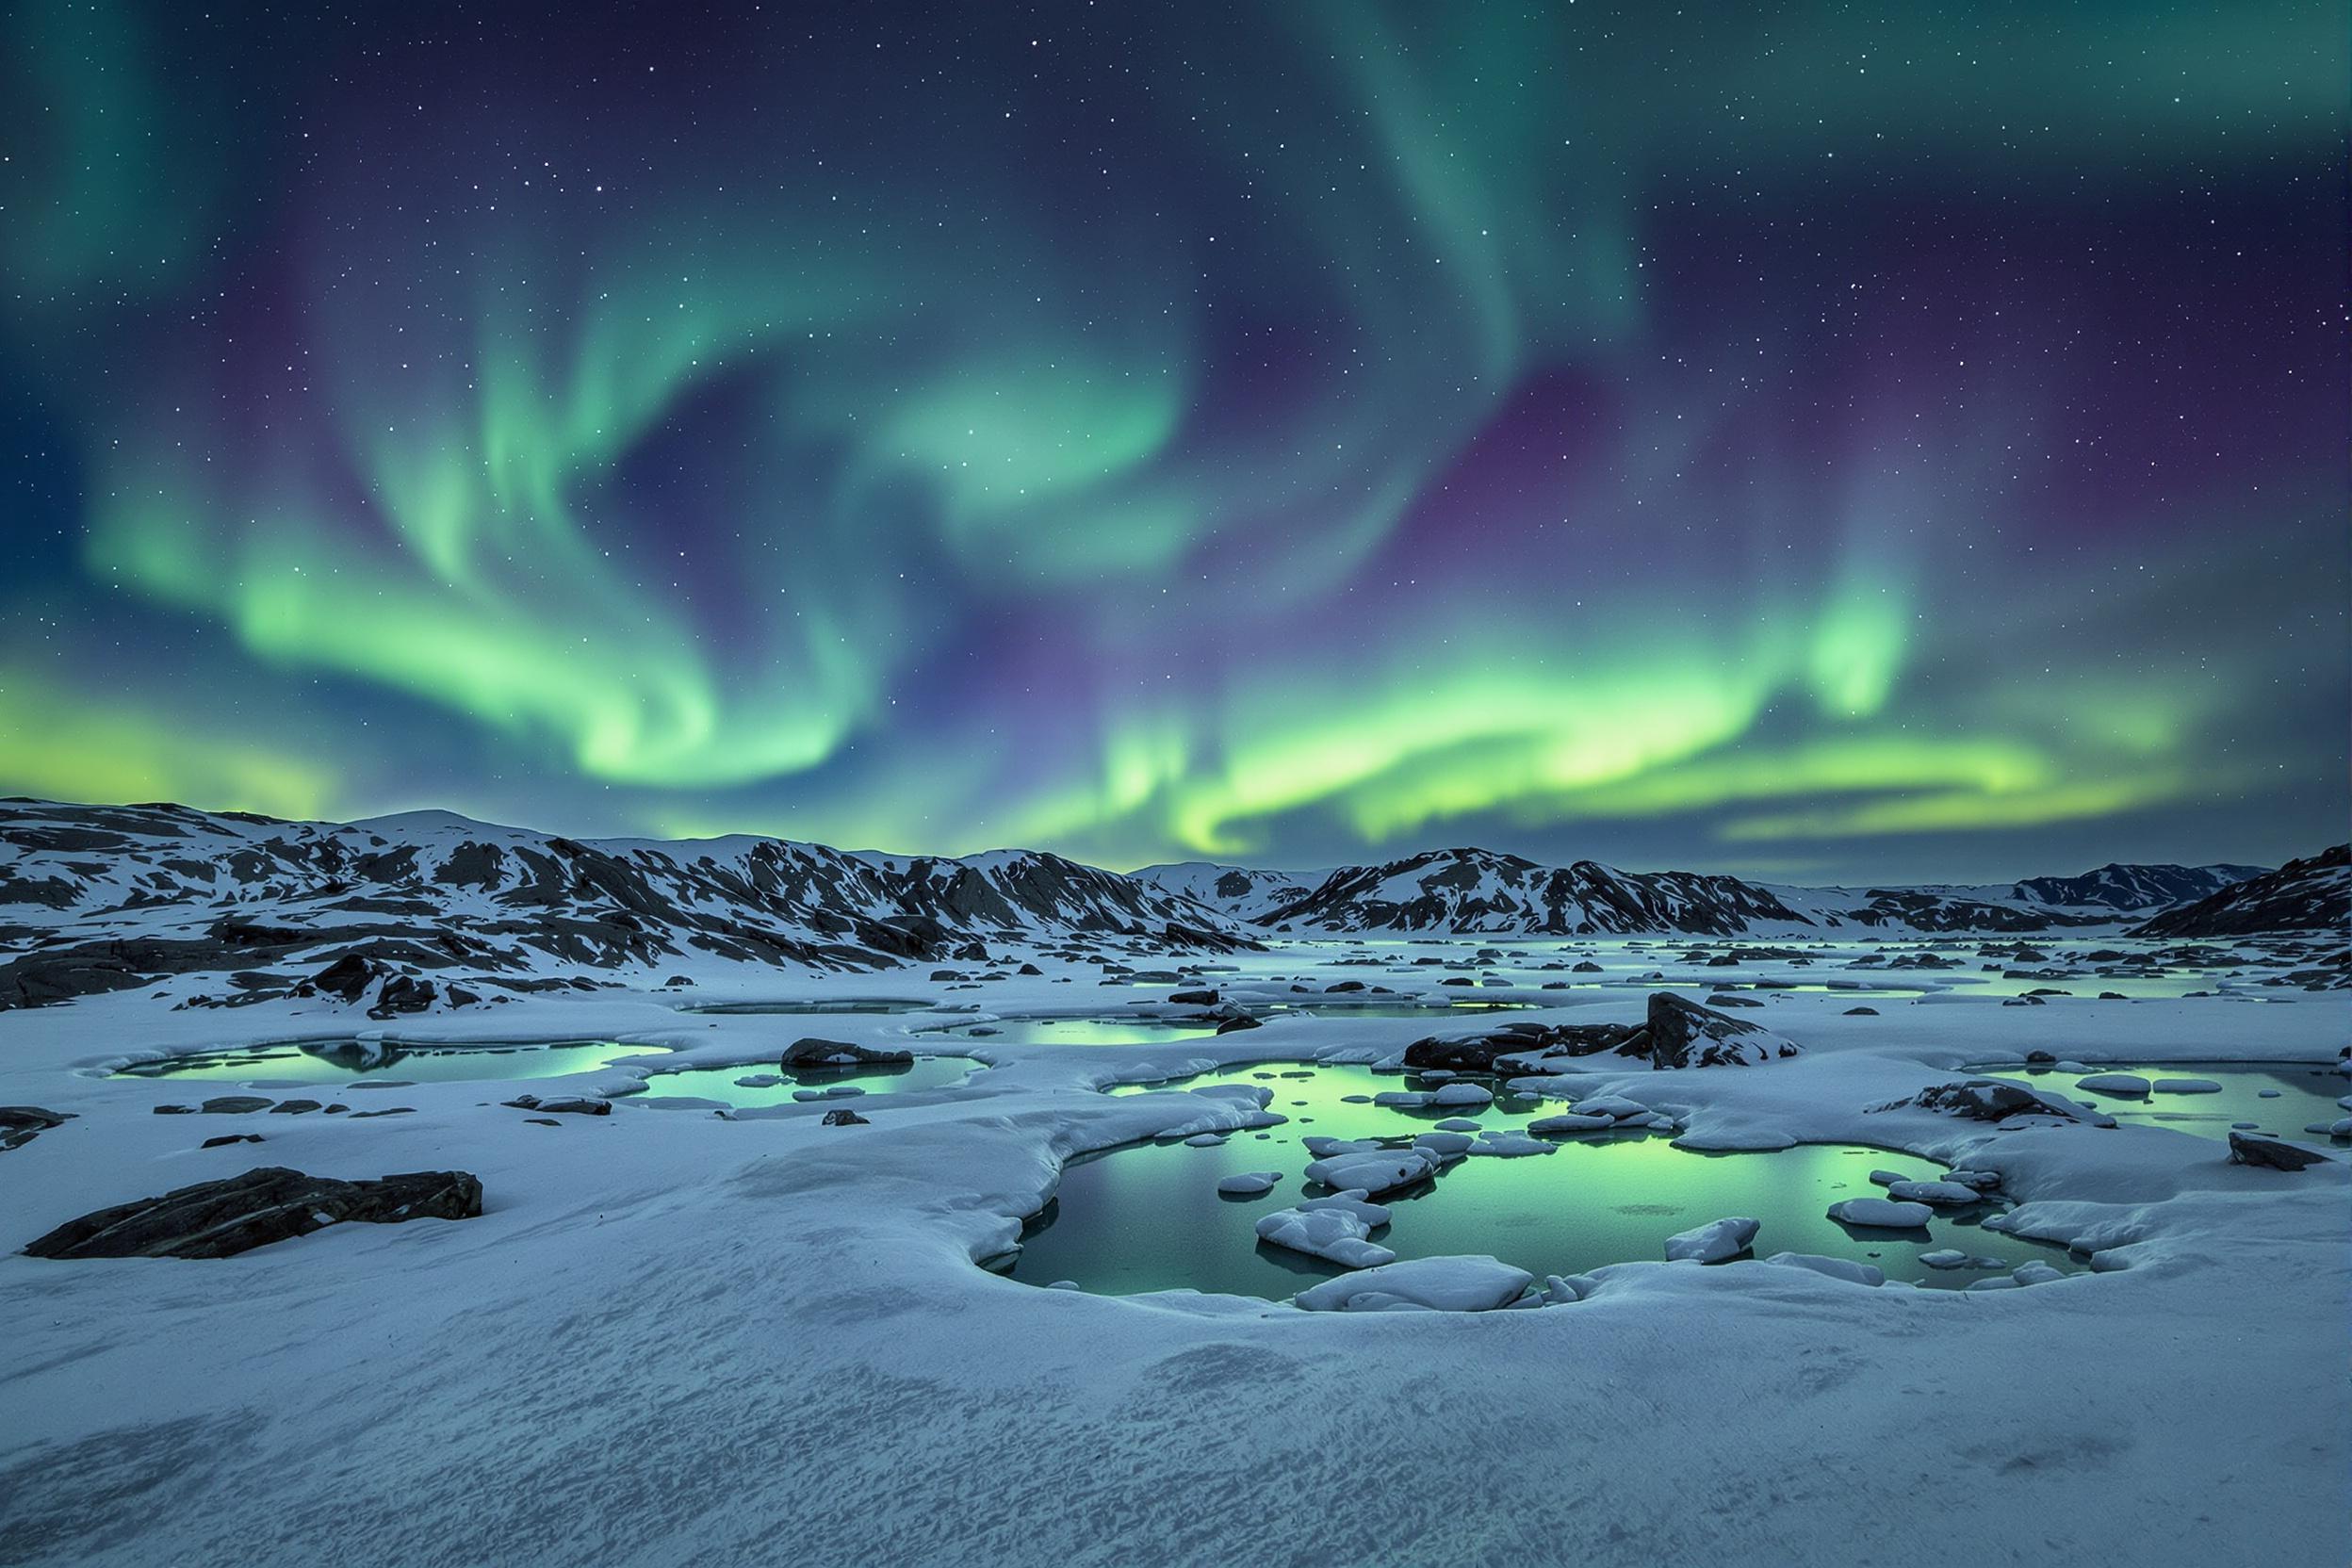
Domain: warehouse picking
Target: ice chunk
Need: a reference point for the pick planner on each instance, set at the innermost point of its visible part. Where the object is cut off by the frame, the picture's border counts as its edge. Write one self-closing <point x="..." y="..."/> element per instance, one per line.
<point x="1331" y="1234"/>
<point x="1249" y="1183"/>
<point x="1882" y="1213"/>
<point x="1463" y="1094"/>
<point x="2187" y="1086"/>
<point x="2036" y="1273"/>
<point x="1935" y="1192"/>
<point x="1511" y="1146"/>
<point x="1473" y="1283"/>
<point x="1384" y="1170"/>
<point x="2113" y="1083"/>
<point x="1352" y="1201"/>
<point x="1837" y="1268"/>
<point x="1572" y="1121"/>
<point x="1713" y="1242"/>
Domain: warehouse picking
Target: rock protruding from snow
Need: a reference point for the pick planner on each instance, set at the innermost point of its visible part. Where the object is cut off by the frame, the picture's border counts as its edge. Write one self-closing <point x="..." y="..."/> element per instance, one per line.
<point x="1713" y="1242"/>
<point x="1995" y="1100"/>
<point x="219" y="1219"/>
<point x="1471" y="1284"/>
<point x="1683" y="1034"/>
<point x="809" y="1052"/>
<point x="2246" y="1149"/>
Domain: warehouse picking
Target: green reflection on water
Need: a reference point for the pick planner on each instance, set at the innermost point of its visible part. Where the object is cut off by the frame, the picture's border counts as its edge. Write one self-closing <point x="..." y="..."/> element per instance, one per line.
<point x="1149" y="1216"/>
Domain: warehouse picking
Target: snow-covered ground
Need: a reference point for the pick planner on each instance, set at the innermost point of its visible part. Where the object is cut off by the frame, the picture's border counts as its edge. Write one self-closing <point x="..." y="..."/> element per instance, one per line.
<point x="675" y="1336"/>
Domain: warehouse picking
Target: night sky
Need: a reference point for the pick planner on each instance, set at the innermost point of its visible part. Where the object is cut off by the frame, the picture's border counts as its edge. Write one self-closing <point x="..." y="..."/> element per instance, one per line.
<point x="1778" y="439"/>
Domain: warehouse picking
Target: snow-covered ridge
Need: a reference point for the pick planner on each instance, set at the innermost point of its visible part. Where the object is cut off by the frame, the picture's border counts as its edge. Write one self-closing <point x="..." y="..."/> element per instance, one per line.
<point x="1482" y="891"/>
<point x="97" y="897"/>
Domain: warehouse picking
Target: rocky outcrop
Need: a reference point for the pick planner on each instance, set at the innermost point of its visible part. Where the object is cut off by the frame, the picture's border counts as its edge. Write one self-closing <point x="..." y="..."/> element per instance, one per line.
<point x="1519" y="1045"/>
<point x="21" y="1124"/>
<point x="219" y="1219"/>
<point x="2246" y="1148"/>
<point x="809" y="1052"/>
<point x="1683" y="1034"/>
<point x="2302" y="896"/>
<point x="1991" y="1099"/>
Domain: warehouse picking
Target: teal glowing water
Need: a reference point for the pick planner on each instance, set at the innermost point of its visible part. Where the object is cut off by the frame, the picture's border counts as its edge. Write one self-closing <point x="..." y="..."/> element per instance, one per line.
<point x="1149" y="1216"/>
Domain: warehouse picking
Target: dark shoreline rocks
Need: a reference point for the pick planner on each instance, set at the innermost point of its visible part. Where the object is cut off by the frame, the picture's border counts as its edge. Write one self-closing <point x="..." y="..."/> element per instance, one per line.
<point x="220" y="1220"/>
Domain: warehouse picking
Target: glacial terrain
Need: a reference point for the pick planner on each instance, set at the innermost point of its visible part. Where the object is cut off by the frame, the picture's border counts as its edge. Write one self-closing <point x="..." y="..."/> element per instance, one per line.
<point x="898" y="1209"/>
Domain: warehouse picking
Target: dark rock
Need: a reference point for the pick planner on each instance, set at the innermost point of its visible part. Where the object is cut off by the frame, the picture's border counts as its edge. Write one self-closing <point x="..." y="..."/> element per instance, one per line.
<point x="1861" y="1012"/>
<point x="2246" y="1148"/>
<point x="1238" y="1021"/>
<point x="219" y="1219"/>
<point x="21" y="1124"/>
<point x="565" y="1105"/>
<point x="1483" y="1052"/>
<point x="1194" y="999"/>
<point x="844" y="1117"/>
<point x="1683" y="1034"/>
<point x="227" y="1138"/>
<point x="811" y="1052"/>
<point x="294" y="1107"/>
<point x="388" y="1110"/>
<point x="235" y="1104"/>
<point x="1988" y="1100"/>
<point x="1029" y="968"/>
<point x="542" y="1121"/>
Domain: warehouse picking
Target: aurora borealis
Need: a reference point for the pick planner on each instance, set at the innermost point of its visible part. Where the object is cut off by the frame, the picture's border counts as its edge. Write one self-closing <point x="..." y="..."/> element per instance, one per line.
<point x="1763" y="439"/>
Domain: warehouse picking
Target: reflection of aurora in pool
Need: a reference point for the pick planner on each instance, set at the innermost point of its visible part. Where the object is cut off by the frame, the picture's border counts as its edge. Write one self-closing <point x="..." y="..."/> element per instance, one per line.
<point x="347" y="1061"/>
<point x="719" y="1082"/>
<point x="1147" y="1216"/>
<point x="2307" y="1094"/>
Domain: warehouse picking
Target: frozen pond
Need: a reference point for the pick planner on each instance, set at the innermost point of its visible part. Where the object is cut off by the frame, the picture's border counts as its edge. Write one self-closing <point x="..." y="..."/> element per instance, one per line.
<point x="394" y="1061"/>
<point x="1149" y="1216"/>
<point x="761" y="1084"/>
<point x="2301" y="1095"/>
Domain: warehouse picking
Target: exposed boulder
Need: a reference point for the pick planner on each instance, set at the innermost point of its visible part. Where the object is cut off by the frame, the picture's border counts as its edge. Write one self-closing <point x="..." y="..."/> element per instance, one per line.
<point x="844" y="1117"/>
<point x="21" y="1124"/>
<point x="2246" y="1148"/>
<point x="1992" y="1099"/>
<point x="564" y="1105"/>
<point x="218" y="1220"/>
<point x="1683" y="1034"/>
<point x="810" y="1052"/>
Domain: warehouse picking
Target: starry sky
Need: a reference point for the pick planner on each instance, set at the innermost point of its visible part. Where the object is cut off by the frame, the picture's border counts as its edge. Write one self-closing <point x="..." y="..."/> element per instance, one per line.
<point x="1780" y="439"/>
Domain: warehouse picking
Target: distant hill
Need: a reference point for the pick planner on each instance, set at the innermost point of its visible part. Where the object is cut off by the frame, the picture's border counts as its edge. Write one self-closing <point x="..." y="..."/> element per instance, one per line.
<point x="2302" y="895"/>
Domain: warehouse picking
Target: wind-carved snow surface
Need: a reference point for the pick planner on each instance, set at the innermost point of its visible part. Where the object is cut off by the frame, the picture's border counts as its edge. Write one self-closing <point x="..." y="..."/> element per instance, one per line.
<point x="680" y="1336"/>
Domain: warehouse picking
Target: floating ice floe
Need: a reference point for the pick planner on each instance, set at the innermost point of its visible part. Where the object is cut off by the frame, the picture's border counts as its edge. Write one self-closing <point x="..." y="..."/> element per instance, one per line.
<point x="1382" y="1170"/>
<point x="1571" y="1122"/>
<point x="2113" y="1083"/>
<point x="1934" y="1192"/>
<point x="1882" y="1213"/>
<point x="1336" y="1235"/>
<point x="1249" y="1183"/>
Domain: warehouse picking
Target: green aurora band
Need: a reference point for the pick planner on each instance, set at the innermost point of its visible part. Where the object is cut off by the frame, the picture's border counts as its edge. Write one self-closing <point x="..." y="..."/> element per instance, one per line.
<point x="1749" y="444"/>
